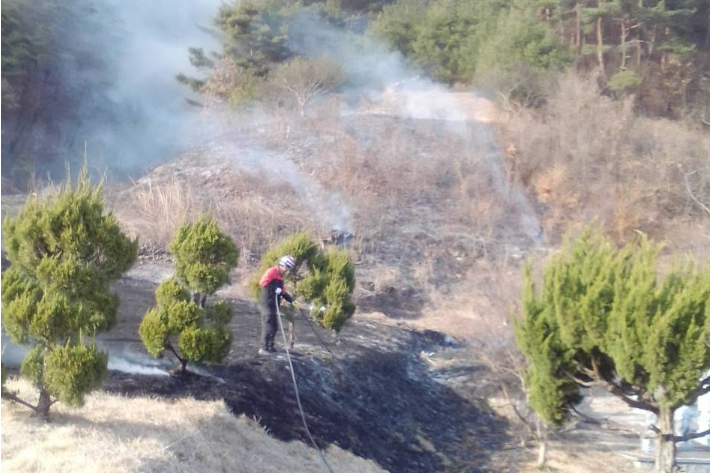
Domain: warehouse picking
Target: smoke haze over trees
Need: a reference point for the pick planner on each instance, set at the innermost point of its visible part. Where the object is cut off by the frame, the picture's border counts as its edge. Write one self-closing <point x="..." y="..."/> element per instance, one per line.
<point x="99" y="76"/>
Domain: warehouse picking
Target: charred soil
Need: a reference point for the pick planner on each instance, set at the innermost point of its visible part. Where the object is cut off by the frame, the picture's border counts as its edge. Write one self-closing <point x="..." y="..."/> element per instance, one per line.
<point x="368" y="391"/>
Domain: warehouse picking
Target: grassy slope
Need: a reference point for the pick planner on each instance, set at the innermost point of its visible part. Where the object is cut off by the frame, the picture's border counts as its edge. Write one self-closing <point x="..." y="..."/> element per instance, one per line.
<point x="116" y="434"/>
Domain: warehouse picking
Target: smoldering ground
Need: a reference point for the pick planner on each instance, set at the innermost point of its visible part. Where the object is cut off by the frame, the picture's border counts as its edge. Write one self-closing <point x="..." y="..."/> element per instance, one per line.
<point x="370" y="393"/>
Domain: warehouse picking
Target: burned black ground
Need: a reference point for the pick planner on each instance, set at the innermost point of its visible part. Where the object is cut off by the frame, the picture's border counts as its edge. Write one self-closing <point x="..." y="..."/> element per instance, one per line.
<point x="369" y="391"/>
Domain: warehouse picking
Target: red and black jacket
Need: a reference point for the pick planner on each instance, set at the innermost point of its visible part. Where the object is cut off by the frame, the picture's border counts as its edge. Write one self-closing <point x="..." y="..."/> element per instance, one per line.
<point x="272" y="280"/>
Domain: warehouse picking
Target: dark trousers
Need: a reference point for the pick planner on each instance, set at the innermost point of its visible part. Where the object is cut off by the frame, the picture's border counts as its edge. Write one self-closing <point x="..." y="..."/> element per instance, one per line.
<point x="268" y="328"/>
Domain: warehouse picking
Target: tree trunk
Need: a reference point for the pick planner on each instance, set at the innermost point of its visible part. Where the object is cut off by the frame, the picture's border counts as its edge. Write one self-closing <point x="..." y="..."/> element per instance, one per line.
<point x="578" y="31"/>
<point x="651" y="40"/>
<point x="302" y="106"/>
<point x="600" y="46"/>
<point x="542" y="439"/>
<point x="623" y="45"/>
<point x="199" y="299"/>
<point x="179" y="370"/>
<point x="665" y="445"/>
<point x="44" y="404"/>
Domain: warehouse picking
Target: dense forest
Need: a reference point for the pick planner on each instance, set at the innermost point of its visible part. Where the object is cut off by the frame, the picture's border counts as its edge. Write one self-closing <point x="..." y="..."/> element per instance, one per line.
<point x="656" y="50"/>
<point x="58" y="81"/>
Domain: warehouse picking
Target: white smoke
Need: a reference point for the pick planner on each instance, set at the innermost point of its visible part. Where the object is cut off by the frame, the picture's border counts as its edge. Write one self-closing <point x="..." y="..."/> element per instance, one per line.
<point x="127" y="366"/>
<point x="133" y="111"/>
<point x="398" y="89"/>
<point x="328" y="207"/>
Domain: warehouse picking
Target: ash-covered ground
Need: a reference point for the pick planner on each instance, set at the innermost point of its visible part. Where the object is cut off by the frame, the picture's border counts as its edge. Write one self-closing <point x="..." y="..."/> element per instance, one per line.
<point x="371" y="390"/>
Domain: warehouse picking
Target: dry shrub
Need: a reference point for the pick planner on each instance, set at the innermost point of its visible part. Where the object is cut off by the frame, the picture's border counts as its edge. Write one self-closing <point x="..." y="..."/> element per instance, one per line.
<point x="154" y="211"/>
<point x="112" y="433"/>
<point x="255" y="210"/>
<point x="555" y="189"/>
<point x="588" y="157"/>
<point x="425" y="195"/>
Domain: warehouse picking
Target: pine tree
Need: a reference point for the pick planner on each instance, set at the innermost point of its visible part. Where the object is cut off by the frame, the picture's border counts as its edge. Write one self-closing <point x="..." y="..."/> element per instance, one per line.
<point x="182" y="322"/>
<point x="328" y="283"/>
<point x="603" y="317"/>
<point x="256" y="33"/>
<point x="64" y="252"/>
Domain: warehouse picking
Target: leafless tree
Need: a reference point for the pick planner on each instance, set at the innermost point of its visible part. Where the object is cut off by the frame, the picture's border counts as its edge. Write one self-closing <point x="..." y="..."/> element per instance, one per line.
<point x="304" y="80"/>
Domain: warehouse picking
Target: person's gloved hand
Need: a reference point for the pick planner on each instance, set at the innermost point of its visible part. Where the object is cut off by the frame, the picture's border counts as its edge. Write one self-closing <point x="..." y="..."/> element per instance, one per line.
<point x="296" y="305"/>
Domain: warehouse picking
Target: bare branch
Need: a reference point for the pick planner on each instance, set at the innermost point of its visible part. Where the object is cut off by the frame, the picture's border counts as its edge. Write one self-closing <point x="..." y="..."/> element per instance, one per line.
<point x="169" y="346"/>
<point x="13" y="397"/>
<point x="606" y="423"/>
<point x="690" y="191"/>
<point x="703" y="388"/>
<point x="586" y="384"/>
<point x="696" y="435"/>
<point x="620" y="392"/>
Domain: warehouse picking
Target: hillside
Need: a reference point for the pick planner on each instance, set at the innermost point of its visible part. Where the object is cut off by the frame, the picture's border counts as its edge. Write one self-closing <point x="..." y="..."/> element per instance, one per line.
<point x="115" y="433"/>
<point x="399" y="399"/>
<point x="445" y="146"/>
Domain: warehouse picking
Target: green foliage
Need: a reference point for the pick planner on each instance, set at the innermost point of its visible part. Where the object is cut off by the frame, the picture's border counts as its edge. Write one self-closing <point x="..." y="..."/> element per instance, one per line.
<point x="233" y="84"/>
<point x="25" y="41"/>
<point x="182" y="315"/>
<point x="219" y="313"/>
<point x="329" y="282"/>
<point x="603" y="314"/>
<point x="330" y="285"/>
<point x="154" y="332"/>
<point x="170" y="291"/>
<point x="455" y="39"/>
<point x="64" y="252"/>
<point x="300" y="245"/>
<point x="73" y="371"/>
<point x="447" y="41"/>
<point x="204" y="256"/>
<point x="206" y="345"/>
<point x="256" y="33"/>
<point x="399" y="23"/>
<point x="624" y="80"/>
<point x="32" y="367"/>
<point x="503" y="44"/>
<point x="520" y="39"/>
<point x="550" y="391"/>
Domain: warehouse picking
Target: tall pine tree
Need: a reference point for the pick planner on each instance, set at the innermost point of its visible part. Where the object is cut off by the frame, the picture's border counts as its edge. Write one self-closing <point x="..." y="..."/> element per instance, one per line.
<point x="604" y="317"/>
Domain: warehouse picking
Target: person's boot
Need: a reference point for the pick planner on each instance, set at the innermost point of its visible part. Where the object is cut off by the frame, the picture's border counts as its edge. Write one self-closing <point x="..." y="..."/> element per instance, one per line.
<point x="271" y="349"/>
<point x="264" y="351"/>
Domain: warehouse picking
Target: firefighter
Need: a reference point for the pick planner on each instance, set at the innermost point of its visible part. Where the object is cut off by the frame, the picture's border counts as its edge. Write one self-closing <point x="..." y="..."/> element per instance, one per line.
<point x="272" y="291"/>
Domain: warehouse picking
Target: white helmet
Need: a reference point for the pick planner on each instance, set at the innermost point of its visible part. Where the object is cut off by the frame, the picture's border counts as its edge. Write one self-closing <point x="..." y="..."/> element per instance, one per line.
<point x="288" y="261"/>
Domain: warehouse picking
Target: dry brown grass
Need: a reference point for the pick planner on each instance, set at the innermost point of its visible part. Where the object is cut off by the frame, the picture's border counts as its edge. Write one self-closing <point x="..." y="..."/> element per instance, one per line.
<point x="254" y="210"/>
<point x="589" y="157"/>
<point x="112" y="434"/>
<point x="420" y="185"/>
<point x="155" y="210"/>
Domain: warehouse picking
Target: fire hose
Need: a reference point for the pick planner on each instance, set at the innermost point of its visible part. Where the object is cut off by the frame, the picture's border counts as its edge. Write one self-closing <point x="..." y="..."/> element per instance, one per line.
<point x="295" y="385"/>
